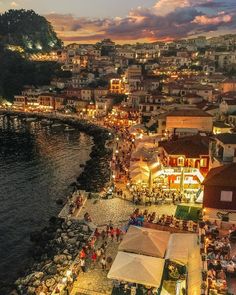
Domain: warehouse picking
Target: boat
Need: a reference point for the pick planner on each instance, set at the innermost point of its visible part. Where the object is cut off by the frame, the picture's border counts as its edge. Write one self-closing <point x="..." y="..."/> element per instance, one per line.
<point x="56" y="125"/>
<point x="30" y="119"/>
<point x="45" y="122"/>
<point x="68" y="128"/>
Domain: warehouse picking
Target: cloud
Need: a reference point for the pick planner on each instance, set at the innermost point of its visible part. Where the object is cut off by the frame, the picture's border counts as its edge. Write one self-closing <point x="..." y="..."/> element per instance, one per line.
<point x="14" y="4"/>
<point x="213" y="20"/>
<point x="166" y="20"/>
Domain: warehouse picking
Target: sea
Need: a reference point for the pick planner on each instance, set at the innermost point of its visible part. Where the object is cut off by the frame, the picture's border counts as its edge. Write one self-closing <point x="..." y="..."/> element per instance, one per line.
<point x="39" y="160"/>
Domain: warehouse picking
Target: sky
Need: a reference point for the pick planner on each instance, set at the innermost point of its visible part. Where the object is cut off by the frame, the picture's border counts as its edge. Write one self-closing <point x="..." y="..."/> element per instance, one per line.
<point x="129" y="21"/>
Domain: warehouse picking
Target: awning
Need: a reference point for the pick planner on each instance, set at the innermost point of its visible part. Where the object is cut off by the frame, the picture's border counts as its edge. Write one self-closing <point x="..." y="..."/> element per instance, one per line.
<point x="137" y="269"/>
<point x="180" y="247"/>
<point x="194" y="272"/>
<point x="146" y="241"/>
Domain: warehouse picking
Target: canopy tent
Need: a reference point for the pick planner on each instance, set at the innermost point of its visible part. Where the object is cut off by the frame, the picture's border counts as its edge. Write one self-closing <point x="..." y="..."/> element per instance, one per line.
<point x="194" y="272"/>
<point x="137" y="269"/>
<point x="137" y="128"/>
<point x="180" y="246"/>
<point x="145" y="241"/>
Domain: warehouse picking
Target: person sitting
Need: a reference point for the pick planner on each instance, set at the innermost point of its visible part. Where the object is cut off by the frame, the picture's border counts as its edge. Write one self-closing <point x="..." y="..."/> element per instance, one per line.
<point x="221" y="275"/>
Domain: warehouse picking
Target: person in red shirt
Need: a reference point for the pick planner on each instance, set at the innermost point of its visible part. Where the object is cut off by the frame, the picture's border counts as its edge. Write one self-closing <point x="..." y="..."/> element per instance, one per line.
<point x="94" y="257"/>
<point x="82" y="254"/>
<point x="112" y="233"/>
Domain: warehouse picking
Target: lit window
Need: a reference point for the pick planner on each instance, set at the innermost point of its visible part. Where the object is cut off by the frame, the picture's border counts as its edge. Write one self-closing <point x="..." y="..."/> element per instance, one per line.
<point x="226" y="196"/>
<point x="203" y="162"/>
<point x="180" y="161"/>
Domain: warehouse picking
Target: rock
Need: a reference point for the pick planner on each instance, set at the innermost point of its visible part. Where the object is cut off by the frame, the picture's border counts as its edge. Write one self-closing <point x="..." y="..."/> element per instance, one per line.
<point x="85" y="228"/>
<point x="38" y="275"/>
<point x="59" y="259"/>
<point x="69" y="223"/>
<point x="77" y="244"/>
<point x="52" y="270"/>
<point x="50" y="282"/>
<point x="36" y="283"/>
<point x="31" y="290"/>
<point x="66" y="252"/>
<point x="72" y="241"/>
<point x="71" y="234"/>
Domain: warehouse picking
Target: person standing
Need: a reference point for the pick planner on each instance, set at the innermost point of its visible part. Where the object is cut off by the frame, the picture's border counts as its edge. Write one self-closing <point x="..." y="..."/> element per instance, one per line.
<point x="104" y="263"/>
<point x="82" y="264"/>
<point x="112" y="233"/>
<point x="117" y="234"/>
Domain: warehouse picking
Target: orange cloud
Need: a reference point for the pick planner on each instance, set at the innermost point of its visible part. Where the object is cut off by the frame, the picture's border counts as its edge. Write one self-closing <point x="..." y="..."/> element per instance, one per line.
<point x="216" y="20"/>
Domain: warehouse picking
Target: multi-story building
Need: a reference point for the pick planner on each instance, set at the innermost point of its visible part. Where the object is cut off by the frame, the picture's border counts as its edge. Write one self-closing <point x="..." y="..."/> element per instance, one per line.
<point x="223" y="149"/>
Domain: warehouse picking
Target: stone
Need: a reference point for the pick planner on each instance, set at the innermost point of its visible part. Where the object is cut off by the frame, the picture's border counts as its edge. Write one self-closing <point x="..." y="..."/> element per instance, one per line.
<point x="59" y="259"/>
<point x="31" y="290"/>
<point x="36" y="283"/>
<point x="69" y="223"/>
<point x="72" y="241"/>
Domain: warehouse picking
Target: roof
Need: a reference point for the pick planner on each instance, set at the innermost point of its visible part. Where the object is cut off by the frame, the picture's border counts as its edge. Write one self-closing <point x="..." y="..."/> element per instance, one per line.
<point x="222" y="176"/>
<point x="227" y="138"/>
<point x="219" y="124"/>
<point x="188" y="113"/>
<point x="189" y="146"/>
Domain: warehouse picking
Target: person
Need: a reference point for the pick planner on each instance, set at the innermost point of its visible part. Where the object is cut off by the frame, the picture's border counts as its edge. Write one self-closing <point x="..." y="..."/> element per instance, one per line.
<point x="117" y="234"/>
<point x="112" y="232"/>
<point x="96" y="233"/>
<point x="82" y="254"/>
<point x="99" y="253"/>
<point x="94" y="257"/>
<point x="104" y="263"/>
<point x="103" y="234"/>
<point x="82" y="264"/>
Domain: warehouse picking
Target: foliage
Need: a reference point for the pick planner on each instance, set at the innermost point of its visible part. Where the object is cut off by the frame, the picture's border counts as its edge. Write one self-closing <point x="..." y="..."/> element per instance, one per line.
<point x="28" y="30"/>
<point x="17" y="72"/>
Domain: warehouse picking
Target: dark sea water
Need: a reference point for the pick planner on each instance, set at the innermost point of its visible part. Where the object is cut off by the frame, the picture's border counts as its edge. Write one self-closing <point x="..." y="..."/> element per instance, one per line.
<point x="38" y="162"/>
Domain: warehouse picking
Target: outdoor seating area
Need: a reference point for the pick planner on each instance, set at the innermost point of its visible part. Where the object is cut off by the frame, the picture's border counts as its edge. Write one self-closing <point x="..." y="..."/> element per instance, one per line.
<point x="161" y="261"/>
<point x="221" y="265"/>
<point x="157" y="196"/>
<point x="139" y="218"/>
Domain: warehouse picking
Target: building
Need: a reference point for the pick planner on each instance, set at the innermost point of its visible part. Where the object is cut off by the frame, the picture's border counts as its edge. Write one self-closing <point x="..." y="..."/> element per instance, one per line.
<point x="189" y="119"/>
<point x="220" y="192"/>
<point x="221" y="127"/>
<point x="189" y="151"/>
<point x="116" y="86"/>
<point x="223" y="149"/>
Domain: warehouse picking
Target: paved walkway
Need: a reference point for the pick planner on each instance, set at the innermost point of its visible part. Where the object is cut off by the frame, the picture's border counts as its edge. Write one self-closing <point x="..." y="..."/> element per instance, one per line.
<point x="118" y="210"/>
<point x="95" y="281"/>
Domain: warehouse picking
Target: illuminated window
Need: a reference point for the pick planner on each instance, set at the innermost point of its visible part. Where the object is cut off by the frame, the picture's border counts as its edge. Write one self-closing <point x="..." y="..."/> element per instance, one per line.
<point x="180" y="161"/>
<point x="226" y="196"/>
<point x="203" y="162"/>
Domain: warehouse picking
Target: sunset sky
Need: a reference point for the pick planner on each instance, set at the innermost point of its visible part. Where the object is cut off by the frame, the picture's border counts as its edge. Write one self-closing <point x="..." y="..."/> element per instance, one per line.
<point x="86" y="21"/>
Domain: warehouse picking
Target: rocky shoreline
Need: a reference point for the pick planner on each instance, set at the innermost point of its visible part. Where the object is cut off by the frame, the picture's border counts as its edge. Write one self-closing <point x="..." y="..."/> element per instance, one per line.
<point x="55" y="247"/>
<point x="54" y="250"/>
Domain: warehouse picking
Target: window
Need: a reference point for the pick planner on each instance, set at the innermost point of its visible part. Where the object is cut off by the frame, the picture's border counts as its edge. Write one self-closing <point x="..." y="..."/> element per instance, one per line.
<point x="180" y="161"/>
<point x="226" y="196"/>
<point x="203" y="162"/>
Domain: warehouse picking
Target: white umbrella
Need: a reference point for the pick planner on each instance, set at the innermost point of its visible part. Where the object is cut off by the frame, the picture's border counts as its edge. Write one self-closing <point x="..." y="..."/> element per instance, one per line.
<point x="145" y="241"/>
<point x="137" y="269"/>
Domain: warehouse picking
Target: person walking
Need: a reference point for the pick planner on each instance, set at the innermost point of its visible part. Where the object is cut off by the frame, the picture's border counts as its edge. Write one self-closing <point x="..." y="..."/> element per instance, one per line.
<point x="82" y="264"/>
<point x="104" y="263"/>
<point x="112" y="233"/>
<point x="94" y="258"/>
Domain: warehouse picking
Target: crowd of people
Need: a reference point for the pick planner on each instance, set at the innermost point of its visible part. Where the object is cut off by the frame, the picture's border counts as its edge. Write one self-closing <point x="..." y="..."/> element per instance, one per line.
<point x="157" y="196"/>
<point x="220" y="262"/>
<point x="95" y="253"/>
<point x="75" y="202"/>
<point x="138" y="217"/>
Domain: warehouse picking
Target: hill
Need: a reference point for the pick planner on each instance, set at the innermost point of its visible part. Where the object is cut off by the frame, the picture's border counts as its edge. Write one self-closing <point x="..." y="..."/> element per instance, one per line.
<point x="28" y="30"/>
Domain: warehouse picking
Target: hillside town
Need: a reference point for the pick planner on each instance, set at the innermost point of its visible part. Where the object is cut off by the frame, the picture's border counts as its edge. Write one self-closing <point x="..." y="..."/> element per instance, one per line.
<point x="170" y="108"/>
